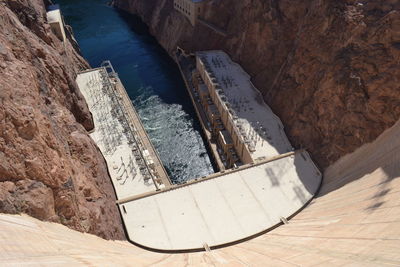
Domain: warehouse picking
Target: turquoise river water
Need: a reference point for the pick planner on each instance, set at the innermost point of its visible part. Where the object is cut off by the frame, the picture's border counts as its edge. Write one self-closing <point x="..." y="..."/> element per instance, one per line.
<point x="151" y="78"/>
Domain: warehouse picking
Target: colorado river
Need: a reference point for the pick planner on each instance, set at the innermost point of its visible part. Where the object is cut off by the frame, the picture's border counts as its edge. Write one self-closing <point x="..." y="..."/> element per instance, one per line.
<point x="151" y="78"/>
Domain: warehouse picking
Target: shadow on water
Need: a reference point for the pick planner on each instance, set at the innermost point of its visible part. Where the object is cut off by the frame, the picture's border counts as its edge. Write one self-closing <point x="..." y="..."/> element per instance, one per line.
<point x="151" y="78"/>
<point x="165" y="65"/>
<point x="135" y="23"/>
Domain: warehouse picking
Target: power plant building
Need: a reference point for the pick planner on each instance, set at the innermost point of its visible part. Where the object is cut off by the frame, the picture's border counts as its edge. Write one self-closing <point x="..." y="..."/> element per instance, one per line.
<point x="244" y="127"/>
<point x="189" y="8"/>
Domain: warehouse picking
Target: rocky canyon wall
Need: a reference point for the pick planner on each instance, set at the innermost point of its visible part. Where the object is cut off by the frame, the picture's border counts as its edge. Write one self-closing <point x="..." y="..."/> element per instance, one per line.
<point x="49" y="166"/>
<point x="329" y="69"/>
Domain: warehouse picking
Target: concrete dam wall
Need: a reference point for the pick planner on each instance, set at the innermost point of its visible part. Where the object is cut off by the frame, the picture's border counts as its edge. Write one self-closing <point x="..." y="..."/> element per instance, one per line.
<point x="51" y="169"/>
<point x="353" y="221"/>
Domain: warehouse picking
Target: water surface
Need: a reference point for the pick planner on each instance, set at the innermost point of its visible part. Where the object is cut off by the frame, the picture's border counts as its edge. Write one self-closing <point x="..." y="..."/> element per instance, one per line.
<point x="151" y="78"/>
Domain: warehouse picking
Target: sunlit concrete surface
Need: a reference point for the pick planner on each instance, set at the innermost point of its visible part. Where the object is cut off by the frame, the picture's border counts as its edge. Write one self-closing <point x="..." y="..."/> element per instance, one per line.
<point x="225" y="209"/>
<point x="56" y="21"/>
<point x="126" y="157"/>
<point x="243" y="111"/>
<point x="354" y="221"/>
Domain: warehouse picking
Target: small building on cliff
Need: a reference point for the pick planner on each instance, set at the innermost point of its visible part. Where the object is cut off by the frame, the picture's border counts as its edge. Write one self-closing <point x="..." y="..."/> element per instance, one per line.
<point x="191" y="9"/>
<point x="56" y="21"/>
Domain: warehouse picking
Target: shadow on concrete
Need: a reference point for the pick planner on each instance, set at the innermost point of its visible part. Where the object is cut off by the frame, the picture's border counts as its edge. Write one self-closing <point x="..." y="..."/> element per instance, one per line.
<point x="382" y="155"/>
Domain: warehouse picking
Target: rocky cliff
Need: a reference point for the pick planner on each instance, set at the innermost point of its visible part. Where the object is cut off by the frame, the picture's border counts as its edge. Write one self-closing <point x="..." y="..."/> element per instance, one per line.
<point x="49" y="166"/>
<point x="329" y="69"/>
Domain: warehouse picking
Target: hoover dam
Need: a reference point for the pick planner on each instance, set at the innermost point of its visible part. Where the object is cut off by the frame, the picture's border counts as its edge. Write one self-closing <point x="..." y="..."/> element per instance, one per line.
<point x="353" y="221"/>
<point x="163" y="133"/>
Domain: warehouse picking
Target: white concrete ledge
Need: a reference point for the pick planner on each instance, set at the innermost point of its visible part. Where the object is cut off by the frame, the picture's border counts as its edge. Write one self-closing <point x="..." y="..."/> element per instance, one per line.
<point x="223" y="210"/>
<point x="55" y="19"/>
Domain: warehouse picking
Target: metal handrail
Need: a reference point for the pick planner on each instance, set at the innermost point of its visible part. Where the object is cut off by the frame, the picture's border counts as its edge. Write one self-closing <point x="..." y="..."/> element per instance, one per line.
<point x="114" y="75"/>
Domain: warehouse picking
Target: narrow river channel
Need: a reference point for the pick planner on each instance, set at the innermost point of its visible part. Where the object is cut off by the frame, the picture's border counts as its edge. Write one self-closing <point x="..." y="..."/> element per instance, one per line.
<point x="151" y="78"/>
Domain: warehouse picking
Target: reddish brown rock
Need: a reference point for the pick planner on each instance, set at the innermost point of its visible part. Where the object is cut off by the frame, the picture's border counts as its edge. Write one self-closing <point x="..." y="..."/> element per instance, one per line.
<point x="49" y="166"/>
<point x="330" y="69"/>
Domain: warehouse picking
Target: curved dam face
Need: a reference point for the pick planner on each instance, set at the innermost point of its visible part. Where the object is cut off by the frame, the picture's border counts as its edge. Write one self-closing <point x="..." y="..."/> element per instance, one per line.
<point x="353" y="221"/>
